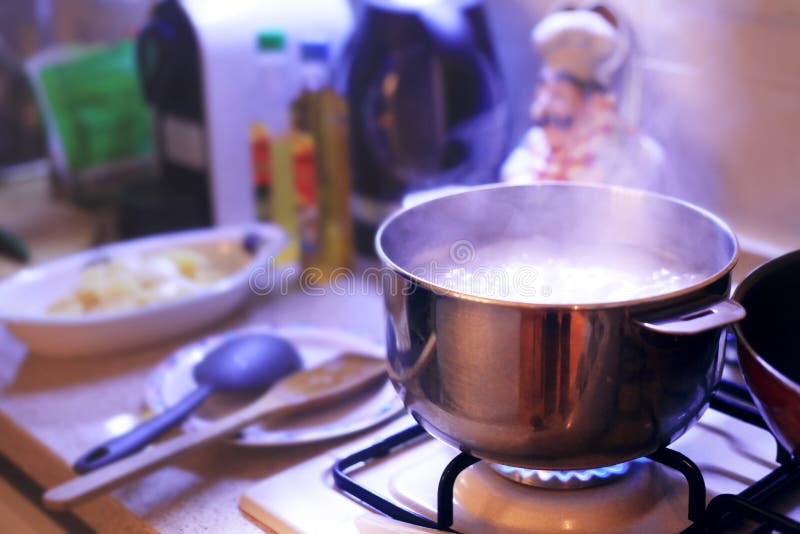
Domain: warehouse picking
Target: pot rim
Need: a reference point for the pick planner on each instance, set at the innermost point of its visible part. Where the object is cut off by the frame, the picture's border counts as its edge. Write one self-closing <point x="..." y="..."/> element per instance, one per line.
<point x="441" y="290"/>
<point x="753" y="277"/>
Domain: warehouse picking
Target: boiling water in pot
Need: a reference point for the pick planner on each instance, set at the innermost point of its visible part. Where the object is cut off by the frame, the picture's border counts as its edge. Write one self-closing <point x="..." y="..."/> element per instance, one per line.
<point x="518" y="271"/>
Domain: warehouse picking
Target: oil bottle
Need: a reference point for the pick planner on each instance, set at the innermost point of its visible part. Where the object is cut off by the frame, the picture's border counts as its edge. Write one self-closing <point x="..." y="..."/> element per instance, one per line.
<point x="322" y="112"/>
<point x="272" y="143"/>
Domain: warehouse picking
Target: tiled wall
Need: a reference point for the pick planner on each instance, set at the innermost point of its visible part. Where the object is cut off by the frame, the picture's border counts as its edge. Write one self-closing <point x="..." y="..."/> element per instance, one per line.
<point x="721" y="92"/>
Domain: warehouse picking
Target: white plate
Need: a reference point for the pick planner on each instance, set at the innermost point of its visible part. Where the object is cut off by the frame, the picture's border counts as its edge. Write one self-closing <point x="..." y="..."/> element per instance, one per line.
<point x="172" y="380"/>
<point x="25" y="296"/>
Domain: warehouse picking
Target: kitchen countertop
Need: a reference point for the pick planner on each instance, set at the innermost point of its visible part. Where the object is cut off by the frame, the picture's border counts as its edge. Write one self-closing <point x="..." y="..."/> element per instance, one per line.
<point x="49" y="225"/>
<point x="51" y="411"/>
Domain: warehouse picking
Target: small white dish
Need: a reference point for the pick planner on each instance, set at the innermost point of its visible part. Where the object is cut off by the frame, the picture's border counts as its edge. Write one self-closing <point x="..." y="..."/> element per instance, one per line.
<point x="26" y="295"/>
<point x="173" y="379"/>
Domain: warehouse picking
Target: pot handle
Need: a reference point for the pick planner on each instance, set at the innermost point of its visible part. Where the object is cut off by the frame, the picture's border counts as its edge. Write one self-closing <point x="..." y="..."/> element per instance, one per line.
<point x="709" y="317"/>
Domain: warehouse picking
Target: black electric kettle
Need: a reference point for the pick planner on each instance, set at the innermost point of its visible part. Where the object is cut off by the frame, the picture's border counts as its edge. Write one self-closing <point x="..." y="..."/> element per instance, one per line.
<point x="427" y="104"/>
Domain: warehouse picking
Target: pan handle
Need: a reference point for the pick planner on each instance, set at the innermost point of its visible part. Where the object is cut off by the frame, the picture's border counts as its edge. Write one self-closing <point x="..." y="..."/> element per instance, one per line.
<point x="709" y="317"/>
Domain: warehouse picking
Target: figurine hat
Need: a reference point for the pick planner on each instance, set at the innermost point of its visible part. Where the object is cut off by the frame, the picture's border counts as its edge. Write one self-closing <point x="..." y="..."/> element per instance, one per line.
<point x="581" y="43"/>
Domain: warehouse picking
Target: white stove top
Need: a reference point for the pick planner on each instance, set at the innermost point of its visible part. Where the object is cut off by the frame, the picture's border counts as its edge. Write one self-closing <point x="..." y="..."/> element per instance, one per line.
<point x="730" y="453"/>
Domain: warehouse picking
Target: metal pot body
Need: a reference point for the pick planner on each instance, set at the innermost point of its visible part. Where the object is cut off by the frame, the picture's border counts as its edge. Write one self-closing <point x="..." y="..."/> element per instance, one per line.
<point x="768" y="345"/>
<point x="551" y="386"/>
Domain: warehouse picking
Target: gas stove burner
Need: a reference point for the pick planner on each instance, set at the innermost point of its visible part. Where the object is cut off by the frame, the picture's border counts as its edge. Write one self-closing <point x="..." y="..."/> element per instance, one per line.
<point x="572" y="479"/>
<point x="667" y="492"/>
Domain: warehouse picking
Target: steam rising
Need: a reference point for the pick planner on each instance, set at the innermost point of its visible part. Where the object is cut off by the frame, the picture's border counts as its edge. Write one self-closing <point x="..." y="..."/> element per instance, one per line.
<point x="579" y="235"/>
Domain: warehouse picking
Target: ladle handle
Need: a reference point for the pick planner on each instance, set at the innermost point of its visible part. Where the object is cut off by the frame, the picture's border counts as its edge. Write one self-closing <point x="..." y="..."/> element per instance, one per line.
<point x="134" y="440"/>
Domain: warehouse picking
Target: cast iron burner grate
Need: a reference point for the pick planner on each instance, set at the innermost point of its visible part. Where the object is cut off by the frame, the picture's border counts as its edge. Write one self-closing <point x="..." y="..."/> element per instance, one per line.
<point x="723" y="512"/>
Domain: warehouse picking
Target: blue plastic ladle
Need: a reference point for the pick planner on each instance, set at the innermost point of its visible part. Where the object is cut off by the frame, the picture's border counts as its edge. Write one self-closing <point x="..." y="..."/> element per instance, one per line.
<point x="247" y="362"/>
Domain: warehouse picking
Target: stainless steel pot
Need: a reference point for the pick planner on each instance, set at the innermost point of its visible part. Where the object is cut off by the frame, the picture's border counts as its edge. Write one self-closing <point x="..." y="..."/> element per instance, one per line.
<point x="549" y="385"/>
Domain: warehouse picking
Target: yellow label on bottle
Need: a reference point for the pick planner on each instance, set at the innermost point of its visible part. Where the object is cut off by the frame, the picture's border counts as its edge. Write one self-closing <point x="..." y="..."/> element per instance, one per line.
<point x="283" y="198"/>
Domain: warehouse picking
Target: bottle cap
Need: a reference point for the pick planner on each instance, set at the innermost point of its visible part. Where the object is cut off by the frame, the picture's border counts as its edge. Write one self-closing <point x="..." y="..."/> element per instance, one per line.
<point x="315" y="50"/>
<point x="271" y="41"/>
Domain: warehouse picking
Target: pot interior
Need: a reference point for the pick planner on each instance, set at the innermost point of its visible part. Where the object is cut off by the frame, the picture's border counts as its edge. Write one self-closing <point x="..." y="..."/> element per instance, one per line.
<point x="558" y="244"/>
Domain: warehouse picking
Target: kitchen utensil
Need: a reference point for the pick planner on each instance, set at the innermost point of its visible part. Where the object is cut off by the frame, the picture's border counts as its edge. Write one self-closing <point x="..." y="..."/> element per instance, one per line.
<point x="768" y="344"/>
<point x="196" y="60"/>
<point x="329" y="382"/>
<point x="249" y="250"/>
<point x="549" y="384"/>
<point x="427" y="104"/>
<point x="172" y="380"/>
<point x="247" y="362"/>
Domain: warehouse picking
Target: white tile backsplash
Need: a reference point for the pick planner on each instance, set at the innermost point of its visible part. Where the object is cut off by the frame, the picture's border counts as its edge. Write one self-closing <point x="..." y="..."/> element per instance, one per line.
<point x="721" y="92"/>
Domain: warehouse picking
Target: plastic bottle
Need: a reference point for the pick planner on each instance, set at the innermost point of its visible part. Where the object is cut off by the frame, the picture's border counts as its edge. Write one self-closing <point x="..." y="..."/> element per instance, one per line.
<point x="276" y="83"/>
<point x="262" y="175"/>
<point x="323" y="112"/>
<point x="304" y="151"/>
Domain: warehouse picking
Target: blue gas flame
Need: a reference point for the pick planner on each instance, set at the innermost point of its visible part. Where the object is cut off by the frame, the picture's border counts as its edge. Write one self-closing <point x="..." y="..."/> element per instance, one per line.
<point x="584" y="475"/>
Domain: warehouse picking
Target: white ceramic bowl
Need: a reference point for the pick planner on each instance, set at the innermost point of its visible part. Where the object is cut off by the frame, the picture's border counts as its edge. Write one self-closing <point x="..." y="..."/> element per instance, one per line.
<point x="25" y="296"/>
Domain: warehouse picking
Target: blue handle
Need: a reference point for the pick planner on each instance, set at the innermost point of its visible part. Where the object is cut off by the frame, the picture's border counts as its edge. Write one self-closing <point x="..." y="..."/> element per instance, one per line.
<point x="135" y="439"/>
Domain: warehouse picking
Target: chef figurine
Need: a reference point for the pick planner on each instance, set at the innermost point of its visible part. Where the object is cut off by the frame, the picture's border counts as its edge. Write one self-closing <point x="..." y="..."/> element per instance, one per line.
<point x="578" y="133"/>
